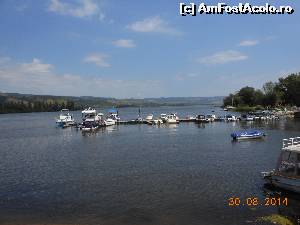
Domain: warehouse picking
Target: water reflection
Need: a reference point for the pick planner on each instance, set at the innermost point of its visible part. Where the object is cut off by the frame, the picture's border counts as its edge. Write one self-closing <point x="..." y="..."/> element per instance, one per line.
<point x="200" y="125"/>
<point x="172" y="126"/>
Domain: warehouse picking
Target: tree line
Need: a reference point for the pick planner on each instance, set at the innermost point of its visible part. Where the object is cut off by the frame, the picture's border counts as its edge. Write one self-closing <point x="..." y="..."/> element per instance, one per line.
<point x="34" y="106"/>
<point x="284" y="92"/>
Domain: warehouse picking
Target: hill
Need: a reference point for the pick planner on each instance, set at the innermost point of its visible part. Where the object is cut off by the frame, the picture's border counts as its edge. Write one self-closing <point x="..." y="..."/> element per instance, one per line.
<point x="15" y="102"/>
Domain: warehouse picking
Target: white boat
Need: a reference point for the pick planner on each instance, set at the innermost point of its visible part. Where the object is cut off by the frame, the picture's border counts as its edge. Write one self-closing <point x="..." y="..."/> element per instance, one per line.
<point x="230" y="118"/>
<point x="105" y="122"/>
<point x="91" y="120"/>
<point x="176" y="117"/>
<point x="200" y="119"/>
<point x="163" y="117"/>
<point x="65" y="119"/>
<point x="210" y="117"/>
<point x="246" y="117"/>
<point x="171" y="119"/>
<point x="287" y="173"/>
<point x="109" y="122"/>
<point x="114" y="115"/>
<point x="149" y="117"/>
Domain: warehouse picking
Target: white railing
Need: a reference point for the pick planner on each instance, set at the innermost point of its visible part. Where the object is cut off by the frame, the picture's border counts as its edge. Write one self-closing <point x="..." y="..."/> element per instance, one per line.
<point x="290" y="142"/>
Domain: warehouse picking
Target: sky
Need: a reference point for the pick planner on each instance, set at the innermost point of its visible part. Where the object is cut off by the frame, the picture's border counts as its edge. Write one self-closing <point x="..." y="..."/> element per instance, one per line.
<point x="139" y="49"/>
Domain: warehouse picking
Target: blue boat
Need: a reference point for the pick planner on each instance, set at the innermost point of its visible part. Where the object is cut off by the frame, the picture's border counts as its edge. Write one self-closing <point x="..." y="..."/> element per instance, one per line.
<point x="247" y="134"/>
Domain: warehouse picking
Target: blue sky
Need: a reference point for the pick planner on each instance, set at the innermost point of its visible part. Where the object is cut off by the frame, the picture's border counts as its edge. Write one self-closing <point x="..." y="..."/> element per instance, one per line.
<point x="115" y="48"/>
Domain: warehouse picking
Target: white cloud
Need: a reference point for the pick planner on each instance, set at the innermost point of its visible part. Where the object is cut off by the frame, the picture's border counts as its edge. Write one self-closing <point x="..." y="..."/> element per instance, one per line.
<point x="223" y="57"/>
<point x="153" y="25"/>
<point x="39" y="78"/>
<point x="248" y="43"/>
<point x="36" y="67"/>
<point x="81" y="9"/>
<point x="124" y="43"/>
<point x="97" y="59"/>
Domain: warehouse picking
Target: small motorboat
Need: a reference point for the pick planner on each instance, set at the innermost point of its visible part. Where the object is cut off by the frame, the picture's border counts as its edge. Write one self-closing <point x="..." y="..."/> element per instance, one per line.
<point x="247" y="134"/>
<point x="246" y="117"/>
<point x="210" y="117"/>
<point x="200" y="119"/>
<point x="220" y="118"/>
<point x="109" y="122"/>
<point x="65" y="119"/>
<point x="171" y="119"/>
<point x="230" y="118"/>
<point x="163" y="117"/>
<point x="149" y="117"/>
<point x="114" y="114"/>
<point x="176" y="117"/>
<point x="287" y="172"/>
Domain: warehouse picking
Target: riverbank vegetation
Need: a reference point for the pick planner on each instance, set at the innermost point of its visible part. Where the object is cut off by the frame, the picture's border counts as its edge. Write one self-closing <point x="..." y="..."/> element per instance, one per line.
<point x="283" y="93"/>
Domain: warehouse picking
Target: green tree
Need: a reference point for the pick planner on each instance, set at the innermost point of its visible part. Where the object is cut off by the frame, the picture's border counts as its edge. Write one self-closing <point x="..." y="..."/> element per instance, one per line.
<point x="272" y="94"/>
<point x="247" y="95"/>
<point x="290" y="88"/>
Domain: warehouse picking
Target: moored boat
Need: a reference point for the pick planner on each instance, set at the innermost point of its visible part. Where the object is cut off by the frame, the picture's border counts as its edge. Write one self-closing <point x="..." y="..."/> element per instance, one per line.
<point x="91" y="120"/>
<point x="247" y="134"/>
<point x="106" y="122"/>
<point x="287" y="172"/>
<point x="109" y="122"/>
<point x="210" y="117"/>
<point x="149" y="117"/>
<point x="176" y="117"/>
<point x="247" y="117"/>
<point x="200" y="119"/>
<point x="114" y="115"/>
<point x="230" y="118"/>
<point x="171" y="119"/>
<point x="65" y="119"/>
<point x="163" y="117"/>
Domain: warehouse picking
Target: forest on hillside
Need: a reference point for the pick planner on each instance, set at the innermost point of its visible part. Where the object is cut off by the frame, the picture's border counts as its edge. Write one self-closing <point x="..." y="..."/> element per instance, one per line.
<point x="22" y="103"/>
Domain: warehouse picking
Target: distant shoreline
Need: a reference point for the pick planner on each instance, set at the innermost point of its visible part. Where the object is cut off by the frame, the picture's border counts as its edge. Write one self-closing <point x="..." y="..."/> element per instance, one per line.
<point x="119" y="107"/>
<point x="24" y="103"/>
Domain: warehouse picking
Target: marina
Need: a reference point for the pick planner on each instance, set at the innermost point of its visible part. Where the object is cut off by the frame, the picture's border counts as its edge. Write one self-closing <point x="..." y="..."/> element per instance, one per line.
<point x="138" y="172"/>
<point x="91" y="120"/>
<point x="137" y="113"/>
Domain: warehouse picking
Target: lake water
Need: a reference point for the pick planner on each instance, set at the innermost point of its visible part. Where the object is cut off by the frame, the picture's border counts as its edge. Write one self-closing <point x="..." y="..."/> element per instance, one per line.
<point x="136" y="174"/>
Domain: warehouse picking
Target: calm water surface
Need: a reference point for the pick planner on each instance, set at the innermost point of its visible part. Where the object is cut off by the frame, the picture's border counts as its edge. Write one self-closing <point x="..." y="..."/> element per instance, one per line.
<point x="135" y="174"/>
